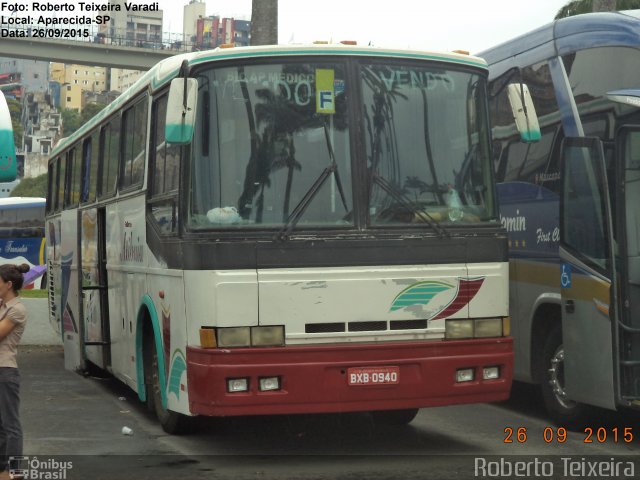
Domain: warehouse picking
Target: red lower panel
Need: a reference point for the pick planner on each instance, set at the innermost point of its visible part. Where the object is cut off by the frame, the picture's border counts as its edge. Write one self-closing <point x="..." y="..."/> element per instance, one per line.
<point x="315" y="378"/>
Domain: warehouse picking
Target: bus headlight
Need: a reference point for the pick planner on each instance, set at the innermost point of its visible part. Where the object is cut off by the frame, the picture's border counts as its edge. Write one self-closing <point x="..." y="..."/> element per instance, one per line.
<point x="488" y="327"/>
<point x="238" y="337"/>
<point x="459" y="328"/>
<point x="475" y="328"/>
<point x="234" y="337"/>
<point x="267" y="336"/>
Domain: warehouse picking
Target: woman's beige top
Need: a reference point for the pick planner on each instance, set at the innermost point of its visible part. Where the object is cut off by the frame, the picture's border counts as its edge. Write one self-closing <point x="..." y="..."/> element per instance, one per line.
<point x="17" y="313"/>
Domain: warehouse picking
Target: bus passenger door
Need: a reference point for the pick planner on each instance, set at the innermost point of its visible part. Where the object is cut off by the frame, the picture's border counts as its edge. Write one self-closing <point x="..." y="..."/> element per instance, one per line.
<point x="94" y="288"/>
<point x="628" y="221"/>
<point x="584" y="362"/>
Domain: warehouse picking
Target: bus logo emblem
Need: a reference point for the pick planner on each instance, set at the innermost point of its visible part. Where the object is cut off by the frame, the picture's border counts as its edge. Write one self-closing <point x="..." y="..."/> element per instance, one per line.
<point x="422" y="293"/>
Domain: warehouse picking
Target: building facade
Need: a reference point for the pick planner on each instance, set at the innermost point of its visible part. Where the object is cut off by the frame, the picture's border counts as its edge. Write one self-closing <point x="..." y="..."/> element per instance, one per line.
<point x="195" y="10"/>
<point x="26" y="75"/>
<point x="214" y="31"/>
<point x="76" y="79"/>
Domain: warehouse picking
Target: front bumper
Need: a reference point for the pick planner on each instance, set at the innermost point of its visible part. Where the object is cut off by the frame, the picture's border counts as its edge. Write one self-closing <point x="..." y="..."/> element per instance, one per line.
<point x="314" y="378"/>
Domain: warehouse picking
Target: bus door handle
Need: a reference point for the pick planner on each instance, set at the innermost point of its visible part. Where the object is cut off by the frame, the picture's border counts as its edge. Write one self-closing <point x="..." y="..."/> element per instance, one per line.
<point x="569" y="306"/>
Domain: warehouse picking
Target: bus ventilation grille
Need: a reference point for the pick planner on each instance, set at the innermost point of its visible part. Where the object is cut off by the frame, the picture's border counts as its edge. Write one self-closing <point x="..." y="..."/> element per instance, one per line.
<point x="371" y="326"/>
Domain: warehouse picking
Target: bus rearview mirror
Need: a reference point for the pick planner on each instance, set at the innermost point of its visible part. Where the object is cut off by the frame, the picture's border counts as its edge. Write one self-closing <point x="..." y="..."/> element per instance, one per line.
<point x="524" y="112"/>
<point x="181" y="111"/>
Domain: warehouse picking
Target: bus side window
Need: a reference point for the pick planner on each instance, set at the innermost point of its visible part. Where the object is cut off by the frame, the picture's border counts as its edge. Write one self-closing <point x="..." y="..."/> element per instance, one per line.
<point x="135" y="128"/>
<point x="72" y="189"/>
<point x="62" y="180"/>
<point x="52" y="178"/>
<point x="164" y="168"/>
<point x="109" y="156"/>
<point x="90" y="160"/>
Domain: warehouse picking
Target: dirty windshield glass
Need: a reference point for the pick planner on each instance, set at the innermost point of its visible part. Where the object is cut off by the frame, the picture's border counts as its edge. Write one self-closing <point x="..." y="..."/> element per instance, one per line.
<point x="426" y="141"/>
<point x="266" y="136"/>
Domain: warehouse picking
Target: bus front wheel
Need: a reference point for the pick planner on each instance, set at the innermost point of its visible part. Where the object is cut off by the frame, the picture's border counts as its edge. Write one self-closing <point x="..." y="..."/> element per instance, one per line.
<point x="171" y="422"/>
<point x="564" y="411"/>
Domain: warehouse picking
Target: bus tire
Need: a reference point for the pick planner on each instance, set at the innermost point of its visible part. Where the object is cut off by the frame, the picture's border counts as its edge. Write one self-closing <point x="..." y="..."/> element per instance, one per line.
<point x="394" y="417"/>
<point x="563" y="411"/>
<point x="173" y="423"/>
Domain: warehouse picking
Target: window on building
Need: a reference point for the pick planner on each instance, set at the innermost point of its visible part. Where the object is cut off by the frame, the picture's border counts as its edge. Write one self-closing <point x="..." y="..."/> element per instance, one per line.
<point x="68" y="99"/>
<point x="68" y="88"/>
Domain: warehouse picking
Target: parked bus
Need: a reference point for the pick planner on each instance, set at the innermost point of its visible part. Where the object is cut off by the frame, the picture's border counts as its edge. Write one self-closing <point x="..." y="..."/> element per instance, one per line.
<point x="8" y="162"/>
<point x="570" y="204"/>
<point x="280" y="230"/>
<point x="22" y="237"/>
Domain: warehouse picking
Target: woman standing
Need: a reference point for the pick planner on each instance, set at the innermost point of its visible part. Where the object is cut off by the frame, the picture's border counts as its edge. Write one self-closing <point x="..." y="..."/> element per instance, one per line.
<point x="13" y="317"/>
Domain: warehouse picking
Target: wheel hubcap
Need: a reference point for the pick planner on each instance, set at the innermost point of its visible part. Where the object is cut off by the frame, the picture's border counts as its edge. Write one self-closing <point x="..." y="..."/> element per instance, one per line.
<point x="556" y="379"/>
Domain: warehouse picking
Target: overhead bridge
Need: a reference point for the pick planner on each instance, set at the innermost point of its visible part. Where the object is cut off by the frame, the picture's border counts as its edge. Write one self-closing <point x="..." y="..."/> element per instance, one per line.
<point x="100" y="51"/>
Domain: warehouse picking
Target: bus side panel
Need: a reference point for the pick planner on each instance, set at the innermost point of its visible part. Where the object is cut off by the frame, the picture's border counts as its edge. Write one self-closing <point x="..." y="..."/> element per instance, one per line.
<point x="70" y="298"/>
<point x="167" y="290"/>
<point x="533" y="281"/>
<point x="126" y="272"/>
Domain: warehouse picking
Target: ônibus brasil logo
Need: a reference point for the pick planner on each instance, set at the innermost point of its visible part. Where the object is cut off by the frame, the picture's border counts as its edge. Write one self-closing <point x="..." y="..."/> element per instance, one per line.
<point x="441" y="298"/>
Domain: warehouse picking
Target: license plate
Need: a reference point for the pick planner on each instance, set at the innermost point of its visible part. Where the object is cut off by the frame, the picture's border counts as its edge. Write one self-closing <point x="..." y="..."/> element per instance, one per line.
<point x="373" y="376"/>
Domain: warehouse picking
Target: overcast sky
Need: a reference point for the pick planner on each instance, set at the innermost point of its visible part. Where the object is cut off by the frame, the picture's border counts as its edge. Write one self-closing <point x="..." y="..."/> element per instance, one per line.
<point x="428" y="25"/>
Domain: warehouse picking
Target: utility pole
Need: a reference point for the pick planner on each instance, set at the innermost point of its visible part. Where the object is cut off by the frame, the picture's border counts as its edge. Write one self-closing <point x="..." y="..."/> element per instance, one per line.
<point x="264" y="22"/>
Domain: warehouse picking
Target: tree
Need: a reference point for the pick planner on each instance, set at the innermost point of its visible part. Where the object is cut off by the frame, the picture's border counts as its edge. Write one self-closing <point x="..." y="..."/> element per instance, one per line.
<point x="16" y="122"/>
<point x="264" y="22"/>
<point x="71" y="121"/>
<point x="31" y="187"/>
<point x="577" y="7"/>
<point x="90" y="110"/>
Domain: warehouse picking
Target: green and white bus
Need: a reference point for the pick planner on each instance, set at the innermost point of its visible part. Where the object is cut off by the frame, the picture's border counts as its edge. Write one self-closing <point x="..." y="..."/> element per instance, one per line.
<point x="275" y="230"/>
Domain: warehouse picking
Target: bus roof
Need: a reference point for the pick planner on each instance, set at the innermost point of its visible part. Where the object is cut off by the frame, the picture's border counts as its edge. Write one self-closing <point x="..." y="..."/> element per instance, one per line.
<point x="17" y="202"/>
<point x="563" y="37"/>
<point x="167" y="69"/>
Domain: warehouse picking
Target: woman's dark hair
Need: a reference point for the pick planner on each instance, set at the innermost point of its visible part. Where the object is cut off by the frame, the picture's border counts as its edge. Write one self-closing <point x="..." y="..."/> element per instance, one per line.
<point x="13" y="273"/>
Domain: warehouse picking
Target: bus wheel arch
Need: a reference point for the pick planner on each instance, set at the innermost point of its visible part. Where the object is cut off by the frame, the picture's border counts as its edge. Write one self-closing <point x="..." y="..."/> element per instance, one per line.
<point x="151" y="371"/>
<point x="548" y="368"/>
<point x="545" y="319"/>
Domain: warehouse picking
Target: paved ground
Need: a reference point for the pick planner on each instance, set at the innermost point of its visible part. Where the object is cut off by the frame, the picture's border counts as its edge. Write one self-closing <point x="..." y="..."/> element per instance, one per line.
<point x="38" y="331"/>
<point x="68" y="417"/>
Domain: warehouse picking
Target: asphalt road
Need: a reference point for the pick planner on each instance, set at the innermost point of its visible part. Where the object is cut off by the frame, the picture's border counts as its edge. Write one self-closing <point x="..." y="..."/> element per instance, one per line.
<point x="70" y="418"/>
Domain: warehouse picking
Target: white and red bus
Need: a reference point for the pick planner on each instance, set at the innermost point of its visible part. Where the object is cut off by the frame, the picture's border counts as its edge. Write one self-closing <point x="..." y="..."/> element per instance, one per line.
<point x="275" y="230"/>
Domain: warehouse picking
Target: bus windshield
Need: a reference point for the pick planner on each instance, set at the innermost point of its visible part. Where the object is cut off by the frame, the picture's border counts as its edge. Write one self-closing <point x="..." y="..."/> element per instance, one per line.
<point x="273" y="146"/>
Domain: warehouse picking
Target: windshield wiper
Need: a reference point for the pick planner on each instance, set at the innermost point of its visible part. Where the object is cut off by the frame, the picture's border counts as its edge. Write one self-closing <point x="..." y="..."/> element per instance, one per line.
<point x="410" y="206"/>
<point x="297" y="212"/>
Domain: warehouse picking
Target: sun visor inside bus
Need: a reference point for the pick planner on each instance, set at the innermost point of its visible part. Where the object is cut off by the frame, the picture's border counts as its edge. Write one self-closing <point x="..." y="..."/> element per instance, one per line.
<point x="181" y="111"/>
<point x="629" y="97"/>
<point x="8" y="165"/>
